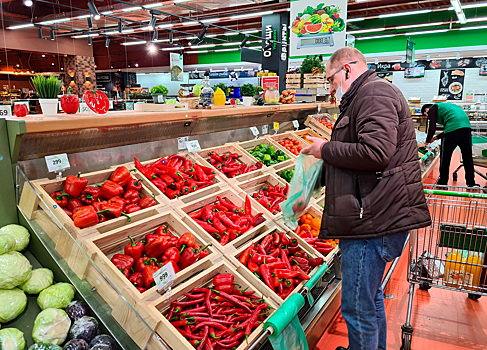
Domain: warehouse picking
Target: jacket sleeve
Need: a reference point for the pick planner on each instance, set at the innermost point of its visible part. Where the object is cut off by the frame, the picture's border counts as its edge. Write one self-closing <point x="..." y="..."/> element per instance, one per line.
<point x="376" y="126"/>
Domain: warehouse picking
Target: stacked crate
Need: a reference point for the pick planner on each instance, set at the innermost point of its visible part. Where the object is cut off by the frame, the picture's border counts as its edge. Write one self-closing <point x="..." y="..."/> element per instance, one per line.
<point x="314" y="81"/>
<point x="293" y="81"/>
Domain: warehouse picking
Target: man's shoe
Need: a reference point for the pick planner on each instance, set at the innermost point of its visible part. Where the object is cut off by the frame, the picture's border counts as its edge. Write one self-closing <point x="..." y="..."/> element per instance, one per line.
<point x="341" y="348"/>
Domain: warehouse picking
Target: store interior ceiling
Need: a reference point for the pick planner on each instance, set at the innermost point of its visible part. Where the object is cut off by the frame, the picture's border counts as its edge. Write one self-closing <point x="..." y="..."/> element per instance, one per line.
<point x="188" y="26"/>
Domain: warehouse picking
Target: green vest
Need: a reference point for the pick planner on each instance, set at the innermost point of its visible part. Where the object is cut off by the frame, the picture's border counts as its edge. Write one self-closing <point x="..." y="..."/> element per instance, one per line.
<point x="452" y="117"/>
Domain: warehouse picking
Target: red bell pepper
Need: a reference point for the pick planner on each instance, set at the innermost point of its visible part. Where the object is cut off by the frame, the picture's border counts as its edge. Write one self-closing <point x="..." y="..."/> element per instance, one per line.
<point x="123" y="262"/>
<point x="134" y="185"/>
<point x="223" y="278"/>
<point x="111" y="189"/>
<point x="131" y="196"/>
<point x="156" y="247"/>
<point x="90" y="194"/>
<point x="21" y="110"/>
<point x="148" y="275"/>
<point x="143" y="262"/>
<point x="137" y="279"/>
<point x="121" y="176"/>
<point x="174" y="265"/>
<point x="69" y="103"/>
<point x="147" y="201"/>
<point x="60" y="198"/>
<point x="203" y="251"/>
<point x="141" y="289"/>
<point x="131" y="208"/>
<point x="134" y="249"/>
<point x="171" y="253"/>
<point x="85" y="217"/>
<point x="189" y="257"/>
<point x="115" y="210"/>
<point x="98" y="205"/>
<point x="118" y="201"/>
<point x="74" y="185"/>
<point x="186" y="240"/>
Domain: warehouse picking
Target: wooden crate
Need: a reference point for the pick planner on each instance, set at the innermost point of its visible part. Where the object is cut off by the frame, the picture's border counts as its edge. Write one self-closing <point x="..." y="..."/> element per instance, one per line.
<point x="250" y="145"/>
<point x="293" y="86"/>
<point x="293" y="80"/>
<point x="231" y="195"/>
<point x="160" y="307"/>
<point x="256" y="184"/>
<point x="317" y="127"/>
<point x="278" y="172"/>
<point x="202" y="156"/>
<point x="308" y="132"/>
<point x="313" y="85"/>
<point x="293" y="76"/>
<point x="244" y="271"/>
<point x="310" y="75"/>
<point x="290" y="135"/>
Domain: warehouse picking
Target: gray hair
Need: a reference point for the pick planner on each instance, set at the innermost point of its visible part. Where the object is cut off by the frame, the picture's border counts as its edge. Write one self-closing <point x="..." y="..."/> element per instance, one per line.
<point x="346" y="55"/>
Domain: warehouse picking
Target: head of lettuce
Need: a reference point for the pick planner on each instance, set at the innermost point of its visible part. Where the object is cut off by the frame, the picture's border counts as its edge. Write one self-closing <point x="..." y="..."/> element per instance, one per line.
<point x="15" y="269"/>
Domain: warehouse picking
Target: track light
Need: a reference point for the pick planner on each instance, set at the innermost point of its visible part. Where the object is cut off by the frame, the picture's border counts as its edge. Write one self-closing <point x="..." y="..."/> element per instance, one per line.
<point x="244" y="41"/>
<point x="39" y="32"/>
<point x="51" y="34"/>
<point x="129" y="65"/>
<point x="171" y="37"/>
<point x="156" y="35"/>
<point x="93" y="10"/>
<point x="90" y="40"/>
<point x="112" y="66"/>
<point x="107" y="42"/>
<point x="119" y="25"/>
<point x="90" y="22"/>
<point x="152" y="48"/>
<point x="28" y="3"/>
<point x="202" y="34"/>
<point x="152" y="22"/>
<point x="136" y="63"/>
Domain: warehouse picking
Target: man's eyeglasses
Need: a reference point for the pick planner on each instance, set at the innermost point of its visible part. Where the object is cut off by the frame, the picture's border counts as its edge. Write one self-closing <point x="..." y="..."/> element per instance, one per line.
<point x="329" y="79"/>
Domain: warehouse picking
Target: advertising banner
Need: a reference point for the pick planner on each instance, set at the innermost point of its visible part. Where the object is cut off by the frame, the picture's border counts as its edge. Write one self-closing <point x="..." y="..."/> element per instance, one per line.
<point x="317" y="26"/>
<point x="176" y="61"/>
<point x="275" y="55"/>
<point x="451" y="84"/>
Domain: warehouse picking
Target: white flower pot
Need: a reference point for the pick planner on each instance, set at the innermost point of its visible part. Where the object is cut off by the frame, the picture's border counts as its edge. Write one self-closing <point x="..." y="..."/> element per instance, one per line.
<point x="49" y="106"/>
<point x="247" y="100"/>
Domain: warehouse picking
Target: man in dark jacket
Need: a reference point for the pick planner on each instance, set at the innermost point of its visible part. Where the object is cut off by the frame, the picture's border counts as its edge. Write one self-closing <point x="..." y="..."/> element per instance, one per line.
<point x="374" y="194"/>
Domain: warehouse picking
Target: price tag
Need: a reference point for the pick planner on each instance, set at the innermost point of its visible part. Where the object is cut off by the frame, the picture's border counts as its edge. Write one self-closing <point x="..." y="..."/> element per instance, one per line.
<point x="319" y="107"/>
<point x="5" y="111"/>
<point x="57" y="163"/>
<point x="193" y="146"/>
<point x="296" y="124"/>
<point x="164" y="277"/>
<point x="255" y="131"/>
<point x="182" y="142"/>
<point x="335" y="115"/>
<point x="265" y="129"/>
<point x="276" y="126"/>
<point x="83" y="108"/>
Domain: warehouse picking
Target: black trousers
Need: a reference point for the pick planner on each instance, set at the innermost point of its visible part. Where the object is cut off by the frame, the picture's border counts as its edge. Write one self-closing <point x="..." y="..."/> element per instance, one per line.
<point x="463" y="139"/>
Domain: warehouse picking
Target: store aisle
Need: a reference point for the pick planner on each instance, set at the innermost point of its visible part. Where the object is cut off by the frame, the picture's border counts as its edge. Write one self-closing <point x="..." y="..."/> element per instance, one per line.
<point x="441" y="319"/>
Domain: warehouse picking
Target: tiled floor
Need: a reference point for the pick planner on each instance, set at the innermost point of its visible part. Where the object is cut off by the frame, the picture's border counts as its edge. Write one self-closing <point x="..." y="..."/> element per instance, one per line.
<point x="442" y="319"/>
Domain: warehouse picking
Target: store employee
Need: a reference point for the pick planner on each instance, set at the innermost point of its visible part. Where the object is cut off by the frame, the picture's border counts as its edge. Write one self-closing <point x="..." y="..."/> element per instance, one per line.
<point x="457" y="132"/>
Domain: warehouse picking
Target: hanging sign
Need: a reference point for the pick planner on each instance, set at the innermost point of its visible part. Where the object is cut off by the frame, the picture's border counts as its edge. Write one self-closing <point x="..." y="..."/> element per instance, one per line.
<point x="176" y="61"/>
<point x="451" y="84"/>
<point x="410" y="52"/>
<point x="317" y="27"/>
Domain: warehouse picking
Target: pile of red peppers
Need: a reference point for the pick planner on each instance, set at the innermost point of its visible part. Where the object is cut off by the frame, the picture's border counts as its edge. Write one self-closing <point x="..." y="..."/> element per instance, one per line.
<point x="176" y="175"/>
<point x="90" y="205"/>
<point x="229" y="165"/>
<point x="280" y="262"/>
<point x="217" y="318"/>
<point x="225" y="221"/>
<point x="322" y="246"/>
<point x="270" y="197"/>
<point x="142" y="259"/>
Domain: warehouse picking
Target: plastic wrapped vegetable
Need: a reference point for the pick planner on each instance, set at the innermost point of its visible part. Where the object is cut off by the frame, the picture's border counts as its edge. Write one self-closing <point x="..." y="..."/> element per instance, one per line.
<point x="13" y="303"/>
<point x="40" y="280"/>
<point x="57" y="296"/>
<point x="76" y="309"/>
<point x="103" y="342"/>
<point x="197" y="90"/>
<point x="11" y="339"/>
<point x="85" y="328"/>
<point x="20" y="233"/>
<point x="7" y="243"/>
<point x="45" y="346"/>
<point x="51" y="326"/>
<point x="76" y="344"/>
<point x="14" y="270"/>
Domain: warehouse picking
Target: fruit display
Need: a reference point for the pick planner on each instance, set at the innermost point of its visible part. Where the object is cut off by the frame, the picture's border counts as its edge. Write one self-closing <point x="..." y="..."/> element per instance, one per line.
<point x="90" y="205"/>
<point x="308" y="229"/>
<point x="287" y="96"/>
<point x="325" y="123"/>
<point x="142" y="259"/>
<point x="268" y="155"/>
<point x="270" y="197"/>
<point x="307" y="223"/>
<point x="322" y="19"/>
<point x="287" y="175"/>
<point x="220" y="316"/>
<point x="229" y="164"/>
<point x="224" y="221"/>
<point x="176" y="176"/>
<point x="292" y="145"/>
<point x="279" y="262"/>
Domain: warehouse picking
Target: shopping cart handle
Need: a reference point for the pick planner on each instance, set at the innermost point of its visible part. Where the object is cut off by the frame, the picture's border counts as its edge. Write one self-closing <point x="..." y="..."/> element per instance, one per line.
<point x="316" y="277"/>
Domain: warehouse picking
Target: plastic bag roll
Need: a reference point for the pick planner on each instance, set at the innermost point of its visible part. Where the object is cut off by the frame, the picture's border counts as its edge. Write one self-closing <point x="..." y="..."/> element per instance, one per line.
<point x="281" y="318"/>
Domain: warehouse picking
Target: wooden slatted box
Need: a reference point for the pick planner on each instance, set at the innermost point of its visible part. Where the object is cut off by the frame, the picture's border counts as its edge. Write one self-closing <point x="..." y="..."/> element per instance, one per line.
<point x="250" y="145"/>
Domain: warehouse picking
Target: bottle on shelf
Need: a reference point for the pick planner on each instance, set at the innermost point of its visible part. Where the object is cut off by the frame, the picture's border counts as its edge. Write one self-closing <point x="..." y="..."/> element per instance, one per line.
<point x="207" y="96"/>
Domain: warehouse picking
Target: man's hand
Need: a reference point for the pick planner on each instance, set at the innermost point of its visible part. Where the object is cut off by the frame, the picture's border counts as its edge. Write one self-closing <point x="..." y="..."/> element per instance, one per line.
<point x="421" y="145"/>
<point x="315" y="148"/>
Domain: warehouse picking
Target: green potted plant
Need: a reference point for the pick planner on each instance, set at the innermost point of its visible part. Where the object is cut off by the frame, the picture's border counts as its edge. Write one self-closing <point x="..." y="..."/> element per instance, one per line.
<point x="247" y="91"/>
<point x="311" y="62"/>
<point x="159" y="93"/>
<point x="48" y="90"/>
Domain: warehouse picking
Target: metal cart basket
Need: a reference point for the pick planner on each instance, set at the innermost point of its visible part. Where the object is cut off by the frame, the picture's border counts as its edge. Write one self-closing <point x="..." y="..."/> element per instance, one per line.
<point x="450" y="253"/>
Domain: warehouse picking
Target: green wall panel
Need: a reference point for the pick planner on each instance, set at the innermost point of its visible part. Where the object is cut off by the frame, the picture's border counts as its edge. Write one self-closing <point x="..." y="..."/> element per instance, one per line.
<point x="219" y="57"/>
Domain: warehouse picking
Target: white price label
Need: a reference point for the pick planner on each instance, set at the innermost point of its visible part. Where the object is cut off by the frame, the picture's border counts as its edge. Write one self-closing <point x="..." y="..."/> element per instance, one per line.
<point x="193" y="146"/>
<point x="83" y="108"/>
<point x="296" y="124"/>
<point x="164" y="277"/>
<point x="5" y="111"/>
<point x="254" y="130"/>
<point x="57" y="163"/>
<point x="265" y="129"/>
<point x="182" y="142"/>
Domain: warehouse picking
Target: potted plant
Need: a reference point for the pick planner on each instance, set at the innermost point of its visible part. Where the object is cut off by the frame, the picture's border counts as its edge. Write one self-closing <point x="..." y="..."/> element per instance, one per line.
<point x="247" y="91"/>
<point x="159" y="93"/>
<point x="48" y="91"/>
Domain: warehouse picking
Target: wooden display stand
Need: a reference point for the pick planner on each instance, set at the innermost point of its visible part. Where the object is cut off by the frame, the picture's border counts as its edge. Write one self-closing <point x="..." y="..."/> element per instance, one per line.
<point x="314" y="81"/>
<point x="293" y="81"/>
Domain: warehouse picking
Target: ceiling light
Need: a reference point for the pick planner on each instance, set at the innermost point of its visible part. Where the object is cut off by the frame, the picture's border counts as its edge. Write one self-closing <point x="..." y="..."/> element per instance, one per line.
<point x="161" y="40"/>
<point x="130" y="43"/>
<point x="51" y="34"/>
<point x="456" y="5"/>
<point x="107" y="42"/>
<point x="376" y="36"/>
<point x="172" y="48"/>
<point x="470" y="28"/>
<point x="371" y="30"/>
<point x="188" y="23"/>
<point x="152" y="23"/>
<point x="407" y="13"/>
<point x="93" y="10"/>
<point x="210" y="20"/>
<point x="202" y="51"/>
<point x="230" y="44"/>
<point x="130" y="9"/>
<point x="461" y="17"/>
<point x="55" y="21"/>
<point x="189" y="37"/>
<point x="250" y="31"/>
<point x="477" y="19"/>
<point x="136" y="63"/>
<point x="53" y="64"/>
<point x="473" y="5"/>
<point x="420" y="25"/>
<point x="203" y="46"/>
<point x="231" y="33"/>
<point x="28" y="3"/>
<point x="127" y="31"/>
<point x="20" y="26"/>
<point x="156" y="4"/>
<point x="152" y="49"/>
<point x="165" y="25"/>
<point x="211" y="35"/>
<point x="107" y="12"/>
<point x="244" y="41"/>
<point x="427" y="32"/>
<point x="83" y="16"/>
<point x="155" y="36"/>
<point x="111" y="32"/>
<point x="221" y="50"/>
<point x="43" y="55"/>
<point x="85" y="36"/>
<point x="112" y="66"/>
<point x="358" y="19"/>
<point x="90" y="22"/>
<point x="181" y="1"/>
<point x="255" y="14"/>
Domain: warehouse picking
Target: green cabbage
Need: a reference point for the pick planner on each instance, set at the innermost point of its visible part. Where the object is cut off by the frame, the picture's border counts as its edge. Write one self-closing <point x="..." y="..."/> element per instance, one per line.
<point x="44" y="346"/>
<point x="11" y="339"/>
<point x="57" y="296"/>
<point x="13" y="303"/>
<point x="14" y="270"/>
<point x="51" y="326"/>
<point x="40" y="280"/>
<point x="20" y="234"/>
<point x="7" y="243"/>
<point x="197" y="90"/>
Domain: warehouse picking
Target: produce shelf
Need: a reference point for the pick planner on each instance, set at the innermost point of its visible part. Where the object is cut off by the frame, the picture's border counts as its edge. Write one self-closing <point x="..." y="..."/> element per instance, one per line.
<point x="250" y="145"/>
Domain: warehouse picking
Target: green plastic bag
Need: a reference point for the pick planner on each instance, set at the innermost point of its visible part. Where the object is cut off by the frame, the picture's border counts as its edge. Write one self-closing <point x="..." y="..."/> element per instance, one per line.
<point x="307" y="174"/>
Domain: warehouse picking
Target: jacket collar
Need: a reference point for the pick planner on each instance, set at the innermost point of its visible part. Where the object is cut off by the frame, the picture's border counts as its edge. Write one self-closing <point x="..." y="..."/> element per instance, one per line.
<point x="352" y="91"/>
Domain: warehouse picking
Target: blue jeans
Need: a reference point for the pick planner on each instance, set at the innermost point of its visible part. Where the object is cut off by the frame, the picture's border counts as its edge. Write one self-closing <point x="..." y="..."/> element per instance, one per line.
<point x="363" y="265"/>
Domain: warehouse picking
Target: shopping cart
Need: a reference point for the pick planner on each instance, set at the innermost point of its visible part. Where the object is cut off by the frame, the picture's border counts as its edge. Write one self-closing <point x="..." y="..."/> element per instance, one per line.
<point x="479" y="144"/>
<point x="450" y="253"/>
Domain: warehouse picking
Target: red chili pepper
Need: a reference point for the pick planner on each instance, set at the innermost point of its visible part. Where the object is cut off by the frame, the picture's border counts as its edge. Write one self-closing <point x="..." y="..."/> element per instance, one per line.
<point x="74" y="185"/>
<point x="156" y="246"/>
<point x="226" y="221"/>
<point x="171" y="253"/>
<point x="284" y="238"/>
<point x="60" y="198"/>
<point x="207" y="213"/>
<point x="316" y="262"/>
<point x="147" y="201"/>
<point x="266" y="242"/>
<point x="134" y="249"/>
<point x="257" y="220"/>
<point x="172" y="194"/>
<point x="245" y="256"/>
<point x="110" y="189"/>
<point x="215" y="156"/>
<point x="205" y="226"/>
<point x="121" y="176"/>
<point x="229" y="205"/>
<point x="324" y="251"/>
<point x="285" y="273"/>
<point x="131" y="208"/>
<point x="85" y="217"/>
<point x="137" y="279"/>
<point x="253" y="267"/>
<point x="143" y="262"/>
<point x="266" y="275"/>
<point x="146" y="172"/>
<point x="134" y="185"/>
<point x="123" y="262"/>
<point x="174" y="265"/>
<point x="276" y="239"/>
<point x="301" y="273"/>
<point x="148" y="275"/>
<point x="225" y="238"/>
<point x="196" y="214"/>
